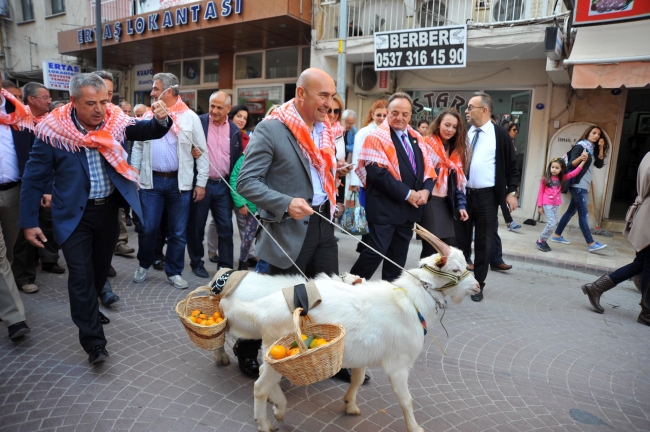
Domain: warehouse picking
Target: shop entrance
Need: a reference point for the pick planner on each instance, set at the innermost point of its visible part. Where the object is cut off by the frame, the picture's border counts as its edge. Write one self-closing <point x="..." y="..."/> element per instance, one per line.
<point x="634" y="144"/>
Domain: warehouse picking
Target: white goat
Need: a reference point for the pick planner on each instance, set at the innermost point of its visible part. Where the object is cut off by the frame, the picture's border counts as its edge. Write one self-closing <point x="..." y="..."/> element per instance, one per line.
<point x="380" y="319"/>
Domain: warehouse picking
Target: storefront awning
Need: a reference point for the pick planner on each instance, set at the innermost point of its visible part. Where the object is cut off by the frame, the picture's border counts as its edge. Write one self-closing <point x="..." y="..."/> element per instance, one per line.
<point x="611" y="56"/>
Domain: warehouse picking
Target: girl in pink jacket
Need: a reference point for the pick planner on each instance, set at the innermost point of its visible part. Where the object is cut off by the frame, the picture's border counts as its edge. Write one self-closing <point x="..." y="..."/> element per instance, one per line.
<point x="549" y="197"/>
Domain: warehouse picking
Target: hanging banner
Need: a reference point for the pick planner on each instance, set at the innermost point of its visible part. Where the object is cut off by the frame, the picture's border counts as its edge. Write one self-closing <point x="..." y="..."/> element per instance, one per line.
<point x="602" y="11"/>
<point x="426" y="48"/>
<point x="57" y="75"/>
<point x="143" y="76"/>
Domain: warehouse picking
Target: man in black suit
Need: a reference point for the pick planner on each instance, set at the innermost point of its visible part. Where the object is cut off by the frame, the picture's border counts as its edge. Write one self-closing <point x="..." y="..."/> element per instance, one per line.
<point x="398" y="181"/>
<point x="491" y="172"/>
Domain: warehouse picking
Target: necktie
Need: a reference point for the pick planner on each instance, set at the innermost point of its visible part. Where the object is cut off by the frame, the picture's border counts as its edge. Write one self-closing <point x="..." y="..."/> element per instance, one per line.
<point x="471" y="154"/>
<point x="409" y="152"/>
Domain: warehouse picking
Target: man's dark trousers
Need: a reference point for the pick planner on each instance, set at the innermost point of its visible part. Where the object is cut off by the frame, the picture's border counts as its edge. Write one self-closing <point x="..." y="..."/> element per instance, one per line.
<point x="392" y="241"/>
<point x="219" y="201"/>
<point x="26" y="255"/>
<point x="88" y="253"/>
<point x="482" y="212"/>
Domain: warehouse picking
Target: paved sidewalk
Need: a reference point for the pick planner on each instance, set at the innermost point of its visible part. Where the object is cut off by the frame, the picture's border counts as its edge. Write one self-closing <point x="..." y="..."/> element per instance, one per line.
<point x="531" y="356"/>
<point x="520" y="247"/>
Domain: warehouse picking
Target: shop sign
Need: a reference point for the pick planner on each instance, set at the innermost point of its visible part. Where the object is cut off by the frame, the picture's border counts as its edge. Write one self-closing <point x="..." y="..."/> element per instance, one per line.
<point x="602" y="11"/>
<point x="154" y="5"/>
<point x="57" y="75"/>
<point x="259" y="99"/>
<point x="143" y="76"/>
<point x="178" y="17"/>
<point x="426" y="48"/>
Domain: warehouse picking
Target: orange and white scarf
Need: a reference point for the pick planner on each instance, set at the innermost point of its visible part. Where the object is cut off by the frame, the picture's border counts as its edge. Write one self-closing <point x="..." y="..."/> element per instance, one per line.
<point x="178" y="108"/>
<point x="321" y="159"/>
<point x="337" y="130"/>
<point x="15" y="117"/>
<point x="58" y="129"/>
<point x="379" y="148"/>
<point x="444" y="165"/>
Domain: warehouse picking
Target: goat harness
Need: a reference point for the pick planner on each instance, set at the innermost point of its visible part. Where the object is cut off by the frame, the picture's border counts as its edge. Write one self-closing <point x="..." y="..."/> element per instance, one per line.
<point x="453" y="279"/>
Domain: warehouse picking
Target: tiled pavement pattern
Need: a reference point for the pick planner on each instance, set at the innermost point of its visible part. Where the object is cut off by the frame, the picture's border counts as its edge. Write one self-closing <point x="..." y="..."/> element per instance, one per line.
<point x="531" y="357"/>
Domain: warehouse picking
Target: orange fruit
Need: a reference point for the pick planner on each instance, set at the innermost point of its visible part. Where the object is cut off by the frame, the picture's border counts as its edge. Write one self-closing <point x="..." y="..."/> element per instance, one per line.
<point x="193" y="318"/>
<point x="314" y="343"/>
<point x="216" y="315"/>
<point x="203" y="316"/>
<point x="278" y="352"/>
<point x="196" y="312"/>
<point x="293" y="351"/>
<point x="210" y="322"/>
<point x="304" y="337"/>
<point x="218" y="320"/>
<point x="199" y="320"/>
<point x="321" y="341"/>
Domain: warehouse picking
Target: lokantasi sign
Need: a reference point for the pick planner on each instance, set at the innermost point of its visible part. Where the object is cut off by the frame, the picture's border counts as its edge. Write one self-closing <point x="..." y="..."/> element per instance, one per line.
<point x="57" y="74"/>
<point x="425" y="48"/>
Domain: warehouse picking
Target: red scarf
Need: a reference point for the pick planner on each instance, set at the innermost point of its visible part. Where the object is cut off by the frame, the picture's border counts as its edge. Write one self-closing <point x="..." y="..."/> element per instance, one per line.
<point x="444" y="164"/>
<point x="322" y="159"/>
<point x="15" y="117"/>
<point x="59" y="130"/>
<point x="337" y="130"/>
<point x="178" y="108"/>
<point x="379" y="148"/>
<point x="30" y="122"/>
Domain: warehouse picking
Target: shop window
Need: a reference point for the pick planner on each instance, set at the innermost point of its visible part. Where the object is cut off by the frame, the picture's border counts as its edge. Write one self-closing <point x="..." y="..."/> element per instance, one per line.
<point x="54" y="7"/>
<point x="248" y="66"/>
<point x="211" y="70"/>
<point x="203" y="100"/>
<point x="259" y="100"/>
<point x="306" y="58"/>
<point x="27" y="9"/>
<point x="282" y="63"/>
<point x="174" y="68"/>
<point x="191" y="72"/>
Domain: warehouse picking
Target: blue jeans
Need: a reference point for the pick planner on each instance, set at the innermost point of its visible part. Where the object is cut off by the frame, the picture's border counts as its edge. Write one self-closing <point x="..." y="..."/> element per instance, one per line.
<point x="579" y="204"/>
<point x="164" y="196"/>
<point x="218" y="200"/>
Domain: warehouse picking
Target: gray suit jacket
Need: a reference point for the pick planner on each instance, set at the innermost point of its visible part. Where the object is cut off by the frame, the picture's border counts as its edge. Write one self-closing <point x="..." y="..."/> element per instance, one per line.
<point x="273" y="173"/>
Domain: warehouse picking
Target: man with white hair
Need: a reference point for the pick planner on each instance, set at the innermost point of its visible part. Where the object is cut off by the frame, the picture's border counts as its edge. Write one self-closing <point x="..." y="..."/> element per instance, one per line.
<point x="80" y="146"/>
<point x="349" y="120"/>
<point x="166" y="168"/>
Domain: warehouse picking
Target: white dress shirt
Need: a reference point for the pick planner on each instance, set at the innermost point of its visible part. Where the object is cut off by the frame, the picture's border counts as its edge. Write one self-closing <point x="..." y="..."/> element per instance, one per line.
<point x="359" y="139"/>
<point x="9" y="171"/>
<point x="483" y="166"/>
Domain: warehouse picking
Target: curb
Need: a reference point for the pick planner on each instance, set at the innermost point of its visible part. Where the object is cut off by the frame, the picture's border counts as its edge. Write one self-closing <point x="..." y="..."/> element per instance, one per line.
<point x="591" y="269"/>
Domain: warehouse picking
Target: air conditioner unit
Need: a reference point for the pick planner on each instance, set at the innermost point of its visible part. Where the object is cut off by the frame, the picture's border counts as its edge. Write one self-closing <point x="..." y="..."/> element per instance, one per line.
<point x="368" y="81"/>
<point x="508" y="10"/>
<point x="433" y="13"/>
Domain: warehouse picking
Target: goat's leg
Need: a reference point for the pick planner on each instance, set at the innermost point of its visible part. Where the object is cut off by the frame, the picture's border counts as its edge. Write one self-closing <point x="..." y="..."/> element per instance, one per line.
<point x="399" y="382"/>
<point x="220" y="357"/>
<point x="350" y="398"/>
<point x="279" y="401"/>
<point x="264" y="385"/>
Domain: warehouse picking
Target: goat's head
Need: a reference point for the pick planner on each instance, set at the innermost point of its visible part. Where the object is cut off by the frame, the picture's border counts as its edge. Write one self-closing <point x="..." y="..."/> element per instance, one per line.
<point x="445" y="272"/>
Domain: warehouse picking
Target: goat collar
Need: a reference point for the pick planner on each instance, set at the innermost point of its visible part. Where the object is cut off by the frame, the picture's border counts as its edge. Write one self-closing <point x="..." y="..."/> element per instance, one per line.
<point x="453" y="279"/>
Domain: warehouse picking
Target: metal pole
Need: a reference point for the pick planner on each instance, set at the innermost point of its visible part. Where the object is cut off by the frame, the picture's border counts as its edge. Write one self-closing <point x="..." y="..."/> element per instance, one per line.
<point x="343" y="37"/>
<point x="99" y="33"/>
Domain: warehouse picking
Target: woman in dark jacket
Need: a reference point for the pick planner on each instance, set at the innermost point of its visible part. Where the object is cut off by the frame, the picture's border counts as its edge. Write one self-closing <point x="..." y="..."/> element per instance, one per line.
<point x="447" y="136"/>
<point x="596" y="145"/>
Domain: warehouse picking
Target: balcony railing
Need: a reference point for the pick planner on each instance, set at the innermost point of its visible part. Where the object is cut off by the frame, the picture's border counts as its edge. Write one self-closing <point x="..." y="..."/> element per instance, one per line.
<point x="365" y="17"/>
<point x="111" y="10"/>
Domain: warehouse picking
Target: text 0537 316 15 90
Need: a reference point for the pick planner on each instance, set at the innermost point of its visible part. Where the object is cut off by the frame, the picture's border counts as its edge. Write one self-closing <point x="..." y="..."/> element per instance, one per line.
<point x="435" y="47"/>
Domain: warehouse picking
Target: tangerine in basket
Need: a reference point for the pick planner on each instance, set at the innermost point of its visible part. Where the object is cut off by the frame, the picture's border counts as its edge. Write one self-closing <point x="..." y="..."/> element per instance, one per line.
<point x="203" y="316"/>
<point x="195" y="313"/>
<point x="218" y="320"/>
<point x="278" y="352"/>
<point x="320" y="342"/>
<point x="293" y="351"/>
<point x="199" y="320"/>
<point x="193" y="318"/>
<point x="216" y="315"/>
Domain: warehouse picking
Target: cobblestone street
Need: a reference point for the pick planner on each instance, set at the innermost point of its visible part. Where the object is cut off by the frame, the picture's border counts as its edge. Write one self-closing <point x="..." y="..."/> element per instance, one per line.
<point x="532" y="356"/>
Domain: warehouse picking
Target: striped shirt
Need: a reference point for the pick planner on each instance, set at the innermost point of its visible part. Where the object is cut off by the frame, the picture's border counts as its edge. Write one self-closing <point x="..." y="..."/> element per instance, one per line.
<point x="164" y="153"/>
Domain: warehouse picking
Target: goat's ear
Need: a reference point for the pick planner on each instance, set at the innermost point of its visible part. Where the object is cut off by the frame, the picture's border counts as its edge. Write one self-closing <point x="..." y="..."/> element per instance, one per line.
<point x="357" y="281"/>
<point x="441" y="262"/>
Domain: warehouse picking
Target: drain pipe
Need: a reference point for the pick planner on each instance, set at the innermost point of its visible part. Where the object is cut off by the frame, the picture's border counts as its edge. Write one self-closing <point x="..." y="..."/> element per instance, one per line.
<point x="343" y="38"/>
<point x="5" y="48"/>
<point x="99" y="33"/>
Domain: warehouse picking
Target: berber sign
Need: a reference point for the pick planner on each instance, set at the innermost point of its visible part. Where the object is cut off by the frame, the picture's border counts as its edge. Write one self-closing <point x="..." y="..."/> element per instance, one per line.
<point x="425" y="48"/>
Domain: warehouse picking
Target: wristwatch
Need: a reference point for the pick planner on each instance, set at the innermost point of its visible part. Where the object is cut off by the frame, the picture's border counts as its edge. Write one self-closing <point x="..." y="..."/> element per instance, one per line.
<point x="513" y="193"/>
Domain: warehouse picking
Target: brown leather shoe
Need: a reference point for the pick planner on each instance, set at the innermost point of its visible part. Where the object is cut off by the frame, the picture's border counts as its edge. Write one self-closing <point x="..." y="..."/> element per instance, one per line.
<point x="470" y="267"/>
<point x="595" y="289"/>
<point x="501" y="267"/>
<point x="53" y="268"/>
<point x="111" y="272"/>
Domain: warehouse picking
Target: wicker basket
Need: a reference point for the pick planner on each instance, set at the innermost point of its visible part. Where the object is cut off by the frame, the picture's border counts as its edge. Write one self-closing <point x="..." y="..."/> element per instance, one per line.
<point x="310" y="365"/>
<point x="209" y="338"/>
